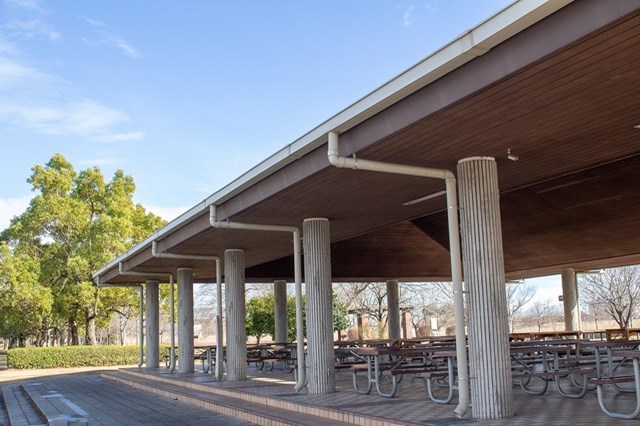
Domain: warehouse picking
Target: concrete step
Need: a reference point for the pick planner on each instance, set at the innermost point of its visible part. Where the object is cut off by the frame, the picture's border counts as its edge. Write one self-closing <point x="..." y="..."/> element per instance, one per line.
<point x="4" y="419"/>
<point x="20" y="412"/>
<point x="52" y="407"/>
<point x="248" y="399"/>
<point x="254" y="412"/>
<point x="3" y="361"/>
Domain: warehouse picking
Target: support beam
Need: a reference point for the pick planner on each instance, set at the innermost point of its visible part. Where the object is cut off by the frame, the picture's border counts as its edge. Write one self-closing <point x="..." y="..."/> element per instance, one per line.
<point x="153" y="324"/>
<point x="236" y="315"/>
<point x="393" y="309"/>
<point x="317" y="270"/>
<point x="481" y="232"/>
<point x="572" y="320"/>
<point x="280" y="311"/>
<point x="185" y="320"/>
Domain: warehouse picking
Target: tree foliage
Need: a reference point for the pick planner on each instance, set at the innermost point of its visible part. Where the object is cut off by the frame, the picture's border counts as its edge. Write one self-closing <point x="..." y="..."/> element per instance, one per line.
<point x="260" y="316"/>
<point x="74" y="224"/>
<point x="24" y="303"/>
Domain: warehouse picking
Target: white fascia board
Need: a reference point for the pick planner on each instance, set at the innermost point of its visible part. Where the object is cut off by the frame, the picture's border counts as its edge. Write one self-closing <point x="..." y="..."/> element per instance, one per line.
<point x="506" y="23"/>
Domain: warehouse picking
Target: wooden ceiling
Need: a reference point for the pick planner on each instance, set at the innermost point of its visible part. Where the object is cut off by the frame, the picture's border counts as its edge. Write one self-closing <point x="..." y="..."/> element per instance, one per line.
<point x="572" y="199"/>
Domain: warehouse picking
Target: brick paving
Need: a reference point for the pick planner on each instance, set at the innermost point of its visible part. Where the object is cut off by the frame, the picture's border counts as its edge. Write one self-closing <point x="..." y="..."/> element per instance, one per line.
<point x="104" y="402"/>
<point x="413" y="405"/>
<point x="109" y="403"/>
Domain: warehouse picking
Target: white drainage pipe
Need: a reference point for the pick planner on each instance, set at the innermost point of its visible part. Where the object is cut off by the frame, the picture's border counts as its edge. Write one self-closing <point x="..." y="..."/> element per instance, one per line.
<point x="336" y="160"/>
<point x="121" y="271"/>
<point x="297" y="267"/>
<point x="219" y="336"/>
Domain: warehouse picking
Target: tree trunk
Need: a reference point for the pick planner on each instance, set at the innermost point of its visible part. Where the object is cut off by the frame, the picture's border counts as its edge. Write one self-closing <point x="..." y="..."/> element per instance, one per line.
<point x="55" y="339"/>
<point x="90" y="321"/>
<point x="73" y="329"/>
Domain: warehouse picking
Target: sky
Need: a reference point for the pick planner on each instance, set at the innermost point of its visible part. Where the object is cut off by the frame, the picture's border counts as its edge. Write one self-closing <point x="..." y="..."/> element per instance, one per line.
<point x="187" y="96"/>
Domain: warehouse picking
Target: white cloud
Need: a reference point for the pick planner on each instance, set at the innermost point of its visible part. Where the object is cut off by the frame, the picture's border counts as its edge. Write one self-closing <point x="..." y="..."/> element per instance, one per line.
<point x="10" y="207"/>
<point x="25" y="4"/>
<point x="166" y="212"/>
<point x="407" y="17"/>
<point x="12" y="73"/>
<point x="120" y="137"/>
<point x="127" y="48"/>
<point x="79" y="118"/>
<point x="110" y="37"/>
<point x="39" y="101"/>
<point x="32" y="29"/>
<point x="107" y="160"/>
<point x="7" y="47"/>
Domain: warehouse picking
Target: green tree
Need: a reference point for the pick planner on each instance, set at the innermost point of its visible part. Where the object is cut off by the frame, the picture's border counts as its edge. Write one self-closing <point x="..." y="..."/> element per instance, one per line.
<point x="340" y="315"/>
<point x="291" y="317"/>
<point x="260" y="316"/>
<point x="75" y="223"/>
<point x="24" y="303"/>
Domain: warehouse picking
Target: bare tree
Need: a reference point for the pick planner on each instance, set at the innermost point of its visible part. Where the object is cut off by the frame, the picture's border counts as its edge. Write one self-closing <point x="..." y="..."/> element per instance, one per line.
<point x="541" y="313"/>
<point x="518" y="295"/>
<point x="369" y="298"/>
<point x="616" y="290"/>
<point x="431" y="300"/>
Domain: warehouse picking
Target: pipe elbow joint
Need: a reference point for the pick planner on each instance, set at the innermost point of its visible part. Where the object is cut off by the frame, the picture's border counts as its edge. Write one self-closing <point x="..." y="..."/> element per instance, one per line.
<point x="335" y="160"/>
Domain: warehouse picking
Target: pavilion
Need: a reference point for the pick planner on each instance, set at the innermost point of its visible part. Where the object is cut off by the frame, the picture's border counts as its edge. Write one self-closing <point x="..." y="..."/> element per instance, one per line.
<point x="531" y="117"/>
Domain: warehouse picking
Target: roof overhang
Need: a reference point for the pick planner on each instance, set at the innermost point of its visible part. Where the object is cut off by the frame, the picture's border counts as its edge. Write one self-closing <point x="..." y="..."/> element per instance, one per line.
<point x="463" y="100"/>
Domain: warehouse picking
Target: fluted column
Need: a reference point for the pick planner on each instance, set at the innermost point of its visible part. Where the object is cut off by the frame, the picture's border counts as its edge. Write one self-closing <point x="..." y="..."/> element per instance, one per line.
<point x="185" y="320"/>
<point x="236" y="315"/>
<point x="572" y="320"/>
<point x="483" y="260"/>
<point x="153" y="324"/>
<point x="280" y="311"/>
<point x="393" y="309"/>
<point x="317" y="272"/>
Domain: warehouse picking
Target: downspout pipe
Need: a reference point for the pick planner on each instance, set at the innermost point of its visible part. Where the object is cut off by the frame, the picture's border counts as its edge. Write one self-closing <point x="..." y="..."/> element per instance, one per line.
<point x="354" y="163"/>
<point x="219" y="344"/>
<point x="141" y="329"/>
<point x="297" y="267"/>
<point x="121" y="271"/>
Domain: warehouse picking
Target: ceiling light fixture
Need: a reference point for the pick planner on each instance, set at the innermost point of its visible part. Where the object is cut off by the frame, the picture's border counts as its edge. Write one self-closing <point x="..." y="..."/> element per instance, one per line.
<point x="511" y="156"/>
<point x="425" y="198"/>
<point x="637" y="126"/>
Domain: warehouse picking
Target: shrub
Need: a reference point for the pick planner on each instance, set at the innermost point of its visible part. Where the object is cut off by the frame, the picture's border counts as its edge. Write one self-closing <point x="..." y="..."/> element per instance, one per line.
<point x="72" y="356"/>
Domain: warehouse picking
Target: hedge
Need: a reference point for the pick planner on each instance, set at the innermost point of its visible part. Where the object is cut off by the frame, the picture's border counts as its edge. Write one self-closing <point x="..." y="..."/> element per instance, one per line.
<point x="72" y="356"/>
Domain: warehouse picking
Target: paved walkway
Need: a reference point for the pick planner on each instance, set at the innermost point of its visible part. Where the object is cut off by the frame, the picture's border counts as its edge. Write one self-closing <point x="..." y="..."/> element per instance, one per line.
<point x="105" y="402"/>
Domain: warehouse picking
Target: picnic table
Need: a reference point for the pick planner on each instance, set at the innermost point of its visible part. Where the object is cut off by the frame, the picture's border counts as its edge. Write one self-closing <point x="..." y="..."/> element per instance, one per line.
<point x="611" y="359"/>
<point x="385" y="366"/>
<point x="538" y="363"/>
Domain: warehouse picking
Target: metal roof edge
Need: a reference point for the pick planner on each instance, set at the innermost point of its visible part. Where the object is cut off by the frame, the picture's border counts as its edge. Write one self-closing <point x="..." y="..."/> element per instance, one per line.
<point x="504" y="24"/>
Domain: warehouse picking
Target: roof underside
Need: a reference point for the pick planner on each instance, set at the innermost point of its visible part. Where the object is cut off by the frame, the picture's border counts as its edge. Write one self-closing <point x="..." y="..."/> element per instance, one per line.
<point x="563" y="95"/>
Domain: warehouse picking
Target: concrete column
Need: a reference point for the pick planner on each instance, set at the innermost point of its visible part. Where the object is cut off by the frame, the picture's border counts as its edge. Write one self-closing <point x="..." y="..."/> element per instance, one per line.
<point x="483" y="260"/>
<point x="236" y="315"/>
<point x="572" y="320"/>
<point x="393" y="309"/>
<point x="185" y="320"/>
<point x="317" y="271"/>
<point x="153" y="324"/>
<point x="280" y="311"/>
